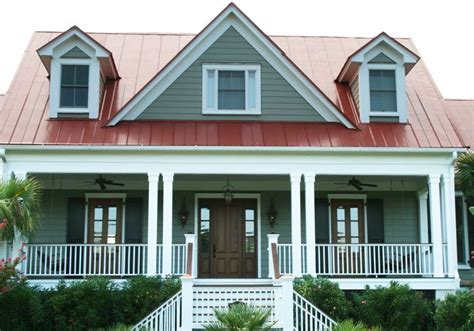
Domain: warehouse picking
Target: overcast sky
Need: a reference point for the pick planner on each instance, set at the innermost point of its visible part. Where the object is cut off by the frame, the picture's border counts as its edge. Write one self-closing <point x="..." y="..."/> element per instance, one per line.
<point x="442" y="30"/>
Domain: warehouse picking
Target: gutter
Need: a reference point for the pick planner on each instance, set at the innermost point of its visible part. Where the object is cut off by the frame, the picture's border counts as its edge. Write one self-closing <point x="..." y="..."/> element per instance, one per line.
<point x="140" y="148"/>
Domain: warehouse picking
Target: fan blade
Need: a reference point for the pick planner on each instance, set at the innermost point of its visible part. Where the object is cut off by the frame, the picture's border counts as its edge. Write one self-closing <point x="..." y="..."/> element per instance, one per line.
<point x="357" y="186"/>
<point x="102" y="186"/>
<point x="369" y="185"/>
<point x="345" y="183"/>
<point x="115" y="184"/>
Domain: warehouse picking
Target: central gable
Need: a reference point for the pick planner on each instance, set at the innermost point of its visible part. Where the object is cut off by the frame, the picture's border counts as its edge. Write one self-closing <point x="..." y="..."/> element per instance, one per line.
<point x="183" y="98"/>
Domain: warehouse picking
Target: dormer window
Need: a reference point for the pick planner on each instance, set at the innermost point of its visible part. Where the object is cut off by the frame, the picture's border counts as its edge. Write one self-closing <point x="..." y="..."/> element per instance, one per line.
<point x="74" y="86"/>
<point x="376" y="76"/>
<point x="79" y="68"/>
<point x="231" y="89"/>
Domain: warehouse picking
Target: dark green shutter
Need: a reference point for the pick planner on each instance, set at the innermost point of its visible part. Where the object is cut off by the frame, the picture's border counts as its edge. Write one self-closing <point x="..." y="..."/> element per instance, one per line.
<point x="470" y="229"/>
<point x="322" y="221"/>
<point x="134" y="220"/>
<point x="375" y="223"/>
<point x="76" y="214"/>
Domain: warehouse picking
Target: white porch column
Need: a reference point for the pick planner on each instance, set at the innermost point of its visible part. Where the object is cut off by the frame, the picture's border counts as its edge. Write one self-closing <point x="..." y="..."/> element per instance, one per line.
<point x="296" y="222"/>
<point x="450" y="224"/>
<point x="310" y="224"/>
<point x="17" y="241"/>
<point x="152" y="223"/>
<point x="423" y="216"/>
<point x="272" y="239"/>
<point x="436" y="230"/>
<point x="167" y="222"/>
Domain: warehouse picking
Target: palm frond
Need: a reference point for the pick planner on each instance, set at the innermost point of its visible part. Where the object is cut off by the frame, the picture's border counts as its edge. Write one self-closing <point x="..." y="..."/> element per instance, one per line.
<point x="465" y="172"/>
<point x="241" y="316"/>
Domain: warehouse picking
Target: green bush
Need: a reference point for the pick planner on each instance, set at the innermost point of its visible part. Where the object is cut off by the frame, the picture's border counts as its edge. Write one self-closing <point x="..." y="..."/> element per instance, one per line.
<point x="456" y="312"/>
<point x="325" y="295"/>
<point x="349" y="325"/>
<point x="396" y="307"/>
<point x="241" y="316"/>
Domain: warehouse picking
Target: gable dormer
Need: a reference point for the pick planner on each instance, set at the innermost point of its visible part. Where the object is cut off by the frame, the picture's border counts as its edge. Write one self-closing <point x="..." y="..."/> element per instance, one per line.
<point x="78" y="67"/>
<point x="376" y="74"/>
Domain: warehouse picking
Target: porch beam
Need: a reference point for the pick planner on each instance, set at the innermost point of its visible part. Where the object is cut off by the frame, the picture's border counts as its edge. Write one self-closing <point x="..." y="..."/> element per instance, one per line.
<point x="152" y="258"/>
<point x="295" y="179"/>
<point x="449" y="220"/>
<point x="309" y="180"/>
<point x="167" y="223"/>
<point x="436" y="229"/>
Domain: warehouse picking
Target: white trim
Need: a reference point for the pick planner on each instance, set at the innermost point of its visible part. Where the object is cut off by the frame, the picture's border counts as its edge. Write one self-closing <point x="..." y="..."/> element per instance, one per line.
<point x="88" y="196"/>
<point x="349" y="196"/>
<point x="207" y="110"/>
<point x="256" y="196"/>
<point x="422" y="283"/>
<point x="231" y="17"/>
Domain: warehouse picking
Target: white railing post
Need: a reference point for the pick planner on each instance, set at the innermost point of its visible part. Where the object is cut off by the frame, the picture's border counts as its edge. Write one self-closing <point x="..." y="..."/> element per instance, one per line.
<point x="272" y="239"/>
<point x="436" y="229"/>
<point x="296" y="222"/>
<point x="310" y="220"/>
<point x="284" y="303"/>
<point x="167" y="222"/>
<point x="187" y="303"/>
<point x="152" y="223"/>
<point x="191" y="239"/>
<point x="450" y="224"/>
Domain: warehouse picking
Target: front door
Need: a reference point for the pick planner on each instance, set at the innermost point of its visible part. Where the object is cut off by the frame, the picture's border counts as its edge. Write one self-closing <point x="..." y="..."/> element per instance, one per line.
<point x="104" y="229"/>
<point x="227" y="238"/>
<point x="347" y="228"/>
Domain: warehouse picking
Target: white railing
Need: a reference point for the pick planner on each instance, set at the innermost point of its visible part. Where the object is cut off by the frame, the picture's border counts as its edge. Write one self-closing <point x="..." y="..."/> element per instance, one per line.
<point x="307" y="317"/>
<point x="363" y="259"/>
<point x="166" y="318"/>
<point x="179" y="259"/>
<point x="445" y="260"/>
<point x="208" y="298"/>
<point x="84" y="260"/>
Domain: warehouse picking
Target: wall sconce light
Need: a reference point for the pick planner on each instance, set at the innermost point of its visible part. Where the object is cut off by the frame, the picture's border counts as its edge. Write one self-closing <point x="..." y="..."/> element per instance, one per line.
<point x="228" y="195"/>
<point x="272" y="214"/>
<point x="183" y="215"/>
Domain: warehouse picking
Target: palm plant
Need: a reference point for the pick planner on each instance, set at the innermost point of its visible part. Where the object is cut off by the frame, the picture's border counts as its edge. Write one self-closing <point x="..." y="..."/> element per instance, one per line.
<point x="241" y="316"/>
<point x="20" y="201"/>
<point x="465" y="172"/>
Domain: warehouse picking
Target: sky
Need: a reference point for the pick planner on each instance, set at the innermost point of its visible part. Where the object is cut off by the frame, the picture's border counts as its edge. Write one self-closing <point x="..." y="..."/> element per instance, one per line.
<point x="443" y="31"/>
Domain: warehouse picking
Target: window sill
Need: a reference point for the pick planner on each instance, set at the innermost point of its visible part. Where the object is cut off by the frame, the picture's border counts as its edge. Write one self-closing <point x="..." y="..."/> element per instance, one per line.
<point x="232" y="112"/>
<point x="78" y="110"/>
<point x="384" y="114"/>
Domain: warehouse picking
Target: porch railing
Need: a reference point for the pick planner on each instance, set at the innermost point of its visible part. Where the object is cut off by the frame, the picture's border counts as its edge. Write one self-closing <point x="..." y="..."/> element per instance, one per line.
<point x="363" y="259"/>
<point x="85" y="259"/>
<point x="179" y="259"/>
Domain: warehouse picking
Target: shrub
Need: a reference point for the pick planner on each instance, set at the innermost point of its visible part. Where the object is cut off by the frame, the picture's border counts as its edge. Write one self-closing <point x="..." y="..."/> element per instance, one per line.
<point x="349" y="325"/>
<point x="456" y="312"/>
<point x="396" y="307"/>
<point x="241" y="316"/>
<point x="325" y="295"/>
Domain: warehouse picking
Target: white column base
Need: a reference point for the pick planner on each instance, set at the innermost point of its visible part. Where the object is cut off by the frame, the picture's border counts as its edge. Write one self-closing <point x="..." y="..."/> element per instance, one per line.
<point x="187" y="303"/>
<point x="442" y="294"/>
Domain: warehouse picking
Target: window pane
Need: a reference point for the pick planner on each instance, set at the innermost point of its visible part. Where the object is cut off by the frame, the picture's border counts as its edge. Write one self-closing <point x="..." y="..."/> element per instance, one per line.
<point x="389" y="101"/>
<point x="82" y="75"/>
<point x="81" y="96"/>
<point x="67" y="75"/>
<point x="341" y="213"/>
<point x="375" y="77"/>
<point x="205" y="214"/>
<point x="252" y="90"/>
<point x="112" y="232"/>
<point x="383" y="96"/>
<point x="388" y="80"/>
<point x="231" y="90"/>
<point x="341" y="232"/>
<point x="355" y="229"/>
<point x="354" y="213"/>
<point x="249" y="214"/>
<point x="98" y="213"/>
<point x="211" y="89"/>
<point x="66" y="98"/>
<point x="112" y="213"/>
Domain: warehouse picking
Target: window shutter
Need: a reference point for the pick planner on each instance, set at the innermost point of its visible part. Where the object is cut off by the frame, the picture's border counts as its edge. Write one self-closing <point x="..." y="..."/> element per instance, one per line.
<point x="470" y="231"/>
<point x="76" y="214"/>
<point x="375" y="222"/>
<point x="322" y="221"/>
<point x="134" y="221"/>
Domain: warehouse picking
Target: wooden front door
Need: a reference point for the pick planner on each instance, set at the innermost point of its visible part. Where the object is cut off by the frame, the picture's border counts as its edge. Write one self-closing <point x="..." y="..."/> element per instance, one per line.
<point x="348" y="222"/>
<point x="227" y="238"/>
<point x="104" y="227"/>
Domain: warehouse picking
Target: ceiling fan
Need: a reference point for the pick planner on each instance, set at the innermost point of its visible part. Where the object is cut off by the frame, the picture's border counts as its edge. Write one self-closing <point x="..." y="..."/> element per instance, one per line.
<point x="103" y="182"/>
<point x="357" y="184"/>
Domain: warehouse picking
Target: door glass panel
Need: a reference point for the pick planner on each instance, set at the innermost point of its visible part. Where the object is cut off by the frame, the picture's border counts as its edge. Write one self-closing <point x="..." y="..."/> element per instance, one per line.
<point x="98" y="212"/>
<point x="204" y="231"/>
<point x="354" y="213"/>
<point x="98" y="223"/>
<point x="112" y="232"/>
<point x="341" y="213"/>
<point x="341" y="231"/>
<point x="112" y="213"/>
<point x="249" y="231"/>
<point x="355" y="229"/>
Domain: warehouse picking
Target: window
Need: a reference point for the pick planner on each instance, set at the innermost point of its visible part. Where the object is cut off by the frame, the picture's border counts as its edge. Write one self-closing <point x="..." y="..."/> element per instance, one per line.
<point x="383" y="91"/>
<point x="74" y="86"/>
<point x="231" y="89"/>
<point x="462" y="238"/>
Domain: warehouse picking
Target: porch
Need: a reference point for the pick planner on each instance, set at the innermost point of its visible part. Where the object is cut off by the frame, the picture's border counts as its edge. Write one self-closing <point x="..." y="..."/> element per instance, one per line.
<point x="356" y="237"/>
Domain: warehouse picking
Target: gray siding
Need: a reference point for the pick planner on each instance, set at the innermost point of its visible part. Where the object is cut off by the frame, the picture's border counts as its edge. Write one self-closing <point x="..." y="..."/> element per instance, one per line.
<point x="183" y="99"/>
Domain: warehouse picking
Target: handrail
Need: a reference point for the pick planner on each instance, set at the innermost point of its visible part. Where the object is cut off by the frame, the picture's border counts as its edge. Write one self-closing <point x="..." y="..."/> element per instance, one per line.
<point x="166" y="317"/>
<point x="189" y="264"/>
<point x="276" y="266"/>
<point x="309" y="317"/>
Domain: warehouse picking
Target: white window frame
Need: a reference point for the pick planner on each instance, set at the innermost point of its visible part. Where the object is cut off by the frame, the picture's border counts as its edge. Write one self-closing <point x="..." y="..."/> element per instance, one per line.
<point x="465" y="225"/>
<point x="364" y="85"/>
<point x="207" y="110"/>
<point x="92" y="109"/>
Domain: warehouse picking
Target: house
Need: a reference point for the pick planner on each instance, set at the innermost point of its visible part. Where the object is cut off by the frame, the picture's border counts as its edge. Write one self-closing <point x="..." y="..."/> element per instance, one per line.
<point x="236" y="159"/>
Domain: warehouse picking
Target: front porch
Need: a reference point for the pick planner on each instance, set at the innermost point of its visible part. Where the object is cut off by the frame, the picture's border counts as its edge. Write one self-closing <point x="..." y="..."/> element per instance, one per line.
<point x="357" y="238"/>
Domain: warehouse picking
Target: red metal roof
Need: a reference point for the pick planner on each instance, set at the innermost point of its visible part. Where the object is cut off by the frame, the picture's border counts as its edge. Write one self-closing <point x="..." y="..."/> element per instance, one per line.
<point x="461" y="113"/>
<point x="140" y="56"/>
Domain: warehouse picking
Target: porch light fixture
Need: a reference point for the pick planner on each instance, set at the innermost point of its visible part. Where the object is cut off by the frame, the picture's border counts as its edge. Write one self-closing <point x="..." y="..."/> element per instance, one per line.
<point x="228" y="195"/>
<point x="183" y="215"/>
<point x="272" y="214"/>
